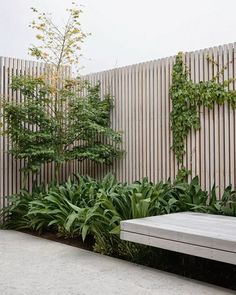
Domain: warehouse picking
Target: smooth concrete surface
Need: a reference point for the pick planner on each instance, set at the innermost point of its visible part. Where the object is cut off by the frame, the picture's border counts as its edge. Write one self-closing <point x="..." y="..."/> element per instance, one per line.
<point x="33" y="266"/>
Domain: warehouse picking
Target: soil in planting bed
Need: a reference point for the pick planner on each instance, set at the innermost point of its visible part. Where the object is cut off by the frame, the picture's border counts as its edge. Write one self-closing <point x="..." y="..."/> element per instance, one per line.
<point x="209" y="271"/>
<point x="75" y="242"/>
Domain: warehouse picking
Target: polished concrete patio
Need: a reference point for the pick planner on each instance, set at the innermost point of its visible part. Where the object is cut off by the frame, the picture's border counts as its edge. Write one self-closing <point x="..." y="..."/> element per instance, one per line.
<point x="35" y="266"/>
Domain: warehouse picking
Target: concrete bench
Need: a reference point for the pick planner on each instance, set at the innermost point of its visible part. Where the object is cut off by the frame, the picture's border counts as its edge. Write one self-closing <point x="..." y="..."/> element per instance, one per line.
<point x="199" y="234"/>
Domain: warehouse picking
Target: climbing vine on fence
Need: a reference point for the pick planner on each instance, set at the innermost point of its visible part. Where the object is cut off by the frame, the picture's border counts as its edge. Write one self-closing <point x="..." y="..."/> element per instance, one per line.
<point x="187" y="97"/>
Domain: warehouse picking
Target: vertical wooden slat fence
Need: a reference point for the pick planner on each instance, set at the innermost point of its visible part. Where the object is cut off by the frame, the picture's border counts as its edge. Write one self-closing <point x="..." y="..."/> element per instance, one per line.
<point x="141" y="112"/>
<point x="142" y="109"/>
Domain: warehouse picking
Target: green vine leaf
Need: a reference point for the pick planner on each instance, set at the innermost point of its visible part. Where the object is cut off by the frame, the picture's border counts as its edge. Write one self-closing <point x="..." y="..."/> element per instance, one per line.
<point x="187" y="97"/>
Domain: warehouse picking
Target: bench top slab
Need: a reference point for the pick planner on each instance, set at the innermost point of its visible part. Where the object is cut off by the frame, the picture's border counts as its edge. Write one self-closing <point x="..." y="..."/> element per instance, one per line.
<point x="206" y="230"/>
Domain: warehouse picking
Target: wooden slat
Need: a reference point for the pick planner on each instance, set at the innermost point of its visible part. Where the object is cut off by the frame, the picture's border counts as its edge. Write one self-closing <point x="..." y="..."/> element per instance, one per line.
<point x="147" y="122"/>
<point x="163" y="125"/>
<point x="136" y="110"/>
<point x="151" y="122"/>
<point x="130" y="124"/>
<point x="221" y="154"/>
<point x="233" y="149"/>
<point x="167" y="119"/>
<point x="226" y="120"/>
<point x="216" y="123"/>
<point x="140" y="123"/>
<point x="173" y="168"/>
<point x="231" y="120"/>
<point x="202" y="122"/>
<point x="155" y="122"/>
<point x="143" y="126"/>
<point x="126" y="123"/>
<point x="206" y="127"/>
<point x="5" y="140"/>
<point x="188" y="155"/>
<point x="197" y="163"/>
<point x="1" y="137"/>
<point x="159" y="123"/>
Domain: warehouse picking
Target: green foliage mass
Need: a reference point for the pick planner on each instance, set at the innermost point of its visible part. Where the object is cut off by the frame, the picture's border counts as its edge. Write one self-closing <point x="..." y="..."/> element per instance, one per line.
<point x="73" y="126"/>
<point x="187" y="97"/>
<point x="90" y="207"/>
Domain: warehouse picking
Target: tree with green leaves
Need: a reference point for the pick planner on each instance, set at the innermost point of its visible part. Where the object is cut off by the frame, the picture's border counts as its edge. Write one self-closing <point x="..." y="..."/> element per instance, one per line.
<point x="60" y="118"/>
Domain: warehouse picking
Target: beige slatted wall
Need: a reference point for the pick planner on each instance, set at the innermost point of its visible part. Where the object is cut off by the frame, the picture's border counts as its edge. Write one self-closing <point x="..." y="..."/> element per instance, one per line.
<point x="142" y="113"/>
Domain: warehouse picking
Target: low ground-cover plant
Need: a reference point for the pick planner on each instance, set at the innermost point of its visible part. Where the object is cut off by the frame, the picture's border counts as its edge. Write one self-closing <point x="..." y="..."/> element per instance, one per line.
<point x="86" y="206"/>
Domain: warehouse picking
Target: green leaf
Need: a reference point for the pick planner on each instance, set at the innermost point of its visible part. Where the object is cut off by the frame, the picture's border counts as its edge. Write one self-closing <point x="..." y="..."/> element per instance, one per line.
<point x="115" y="231"/>
<point x="85" y="229"/>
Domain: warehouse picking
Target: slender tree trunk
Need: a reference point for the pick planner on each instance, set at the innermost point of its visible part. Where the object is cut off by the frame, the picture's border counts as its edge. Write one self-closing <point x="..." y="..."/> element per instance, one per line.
<point x="57" y="172"/>
<point x="24" y="181"/>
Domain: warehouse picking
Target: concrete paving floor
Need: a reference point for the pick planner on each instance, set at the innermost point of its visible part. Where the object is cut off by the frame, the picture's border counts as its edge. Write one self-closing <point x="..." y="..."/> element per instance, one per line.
<point x="33" y="266"/>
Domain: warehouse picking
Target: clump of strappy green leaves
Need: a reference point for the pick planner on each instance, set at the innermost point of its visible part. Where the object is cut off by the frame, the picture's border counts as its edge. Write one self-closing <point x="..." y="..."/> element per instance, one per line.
<point x="86" y="206"/>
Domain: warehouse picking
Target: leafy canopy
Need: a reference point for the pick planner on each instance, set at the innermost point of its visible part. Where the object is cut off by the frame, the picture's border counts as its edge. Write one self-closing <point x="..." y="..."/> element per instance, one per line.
<point x="79" y="130"/>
